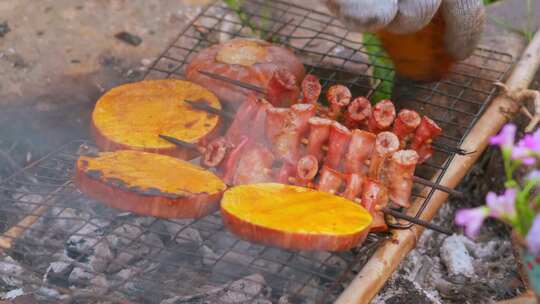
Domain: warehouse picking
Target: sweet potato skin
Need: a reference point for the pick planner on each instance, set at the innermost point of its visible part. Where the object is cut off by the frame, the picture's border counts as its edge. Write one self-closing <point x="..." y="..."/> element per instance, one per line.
<point x="194" y="205"/>
<point x="160" y="90"/>
<point x="291" y="241"/>
<point x="293" y="217"/>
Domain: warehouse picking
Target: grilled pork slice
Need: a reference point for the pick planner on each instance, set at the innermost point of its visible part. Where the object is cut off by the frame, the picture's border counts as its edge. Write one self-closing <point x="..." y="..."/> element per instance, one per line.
<point x="149" y="184"/>
<point x="294" y="217"/>
<point x="132" y="116"/>
<point x="250" y="61"/>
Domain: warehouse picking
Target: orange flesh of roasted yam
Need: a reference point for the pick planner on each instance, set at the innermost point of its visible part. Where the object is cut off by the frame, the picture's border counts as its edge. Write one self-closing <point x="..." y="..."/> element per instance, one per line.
<point x="147" y="170"/>
<point x="131" y="116"/>
<point x="421" y="55"/>
<point x="294" y="217"/>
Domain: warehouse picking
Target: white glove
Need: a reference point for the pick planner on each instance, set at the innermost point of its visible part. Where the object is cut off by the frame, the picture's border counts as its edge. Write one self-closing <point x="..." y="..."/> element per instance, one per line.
<point x="463" y="19"/>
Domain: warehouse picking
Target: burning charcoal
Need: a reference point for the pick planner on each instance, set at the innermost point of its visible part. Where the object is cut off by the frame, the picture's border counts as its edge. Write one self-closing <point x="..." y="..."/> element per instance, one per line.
<point x="128" y="38"/>
<point x="189" y="235"/>
<point x="209" y="257"/>
<point x="80" y="277"/>
<point x="58" y="273"/>
<point x="100" y="257"/>
<point x="4" y="29"/>
<point x="456" y="257"/>
<point x="11" y="273"/>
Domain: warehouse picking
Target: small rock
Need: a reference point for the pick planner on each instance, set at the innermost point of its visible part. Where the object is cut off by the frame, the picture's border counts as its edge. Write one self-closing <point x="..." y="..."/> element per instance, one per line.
<point x="456" y="257"/>
<point x="128" y="38"/>
<point x="58" y="272"/>
<point x="101" y="257"/>
<point x="146" y="61"/>
<point x="4" y="29"/>
<point x="209" y="257"/>
<point x="12" y="294"/>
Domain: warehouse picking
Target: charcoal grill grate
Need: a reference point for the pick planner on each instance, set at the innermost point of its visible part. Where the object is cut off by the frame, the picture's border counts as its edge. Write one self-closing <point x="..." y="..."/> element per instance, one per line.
<point x="100" y="254"/>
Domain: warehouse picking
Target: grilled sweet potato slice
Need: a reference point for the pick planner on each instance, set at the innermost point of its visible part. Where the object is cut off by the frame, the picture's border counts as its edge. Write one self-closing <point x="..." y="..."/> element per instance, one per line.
<point x="294" y="217"/>
<point x="149" y="184"/>
<point x="131" y="116"/>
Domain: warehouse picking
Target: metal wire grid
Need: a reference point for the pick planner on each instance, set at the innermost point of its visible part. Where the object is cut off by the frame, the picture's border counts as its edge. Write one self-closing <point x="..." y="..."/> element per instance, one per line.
<point x="336" y="55"/>
<point x="175" y="264"/>
<point x="119" y="256"/>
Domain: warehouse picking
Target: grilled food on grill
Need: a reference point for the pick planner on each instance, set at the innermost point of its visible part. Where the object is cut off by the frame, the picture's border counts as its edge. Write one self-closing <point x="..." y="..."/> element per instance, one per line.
<point x="131" y="116"/>
<point x="271" y="67"/>
<point x="294" y="217"/>
<point x="149" y="184"/>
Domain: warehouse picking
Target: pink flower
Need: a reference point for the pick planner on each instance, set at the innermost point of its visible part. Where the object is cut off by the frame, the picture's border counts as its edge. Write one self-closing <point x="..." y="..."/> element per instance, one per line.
<point x="532" y="141"/>
<point x="502" y="206"/>
<point x="505" y="138"/>
<point x="533" y="175"/>
<point x="524" y="154"/>
<point x="533" y="237"/>
<point x="472" y="219"/>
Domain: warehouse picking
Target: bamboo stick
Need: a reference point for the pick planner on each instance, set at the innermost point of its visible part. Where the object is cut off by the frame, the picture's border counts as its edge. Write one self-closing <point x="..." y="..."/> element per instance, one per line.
<point x="7" y="238"/>
<point x="386" y="259"/>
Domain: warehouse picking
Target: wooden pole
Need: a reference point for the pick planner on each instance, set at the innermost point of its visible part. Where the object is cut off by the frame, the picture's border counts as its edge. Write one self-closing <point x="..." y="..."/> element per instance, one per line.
<point x="386" y="259"/>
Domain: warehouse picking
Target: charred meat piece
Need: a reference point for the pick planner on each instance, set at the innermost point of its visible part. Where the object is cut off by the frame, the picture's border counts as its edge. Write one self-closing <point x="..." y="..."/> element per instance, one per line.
<point x="399" y="176"/>
<point x="353" y="188"/>
<point x="405" y="124"/>
<point x="319" y="132"/>
<point x="244" y="116"/>
<point x="254" y="165"/>
<point x="375" y="197"/>
<point x="386" y="144"/>
<point x="282" y="90"/>
<point x="311" y="89"/>
<point x="423" y="137"/>
<point x="330" y="180"/>
<point x="382" y="117"/>
<point x="337" y="145"/>
<point x="338" y="97"/>
<point x="359" y="152"/>
<point x="358" y="113"/>
<point x="306" y="170"/>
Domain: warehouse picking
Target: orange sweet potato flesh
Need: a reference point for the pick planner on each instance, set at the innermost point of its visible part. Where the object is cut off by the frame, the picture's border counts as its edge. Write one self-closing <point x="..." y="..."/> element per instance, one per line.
<point x="293" y="217"/>
<point x="419" y="56"/>
<point x="132" y="116"/>
<point x="149" y="184"/>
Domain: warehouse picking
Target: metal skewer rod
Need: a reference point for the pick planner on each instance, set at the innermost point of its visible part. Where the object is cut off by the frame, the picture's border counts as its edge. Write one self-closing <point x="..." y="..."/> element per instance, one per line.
<point x="178" y="142"/>
<point x="415" y="220"/>
<point x="433" y="185"/>
<point x="446" y="148"/>
<point x="235" y="82"/>
<point x="205" y="107"/>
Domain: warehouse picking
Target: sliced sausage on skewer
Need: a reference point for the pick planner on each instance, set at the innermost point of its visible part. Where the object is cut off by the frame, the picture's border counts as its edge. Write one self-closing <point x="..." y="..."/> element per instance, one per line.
<point x="399" y="176"/>
<point x="405" y="124"/>
<point x="286" y="173"/>
<point x="382" y="116"/>
<point x="215" y="152"/>
<point x="353" y="188"/>
<point x="330" y="180"/>
<point x="282" y="90"/>
<point x="338" y="97"/>
<point x="301" y="114"/>
<point x="375" y="197"/>
<point x="311" y="89"/>
<point x="359" y="152"/>
<point x="423" y="137"/>
<point x="306" y="170"/>
<point x="319" y="132"/>
<point x="254" y="165"/>
<point x="385" y="145"/>
<point x="337" y="145"/>
<point x="358" y="113"/>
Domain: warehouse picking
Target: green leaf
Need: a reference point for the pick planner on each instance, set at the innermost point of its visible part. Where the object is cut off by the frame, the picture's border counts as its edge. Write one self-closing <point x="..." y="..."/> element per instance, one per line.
<point x="383" y="68"/>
